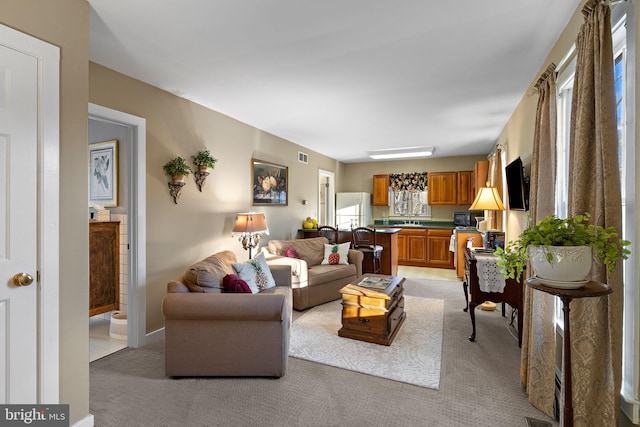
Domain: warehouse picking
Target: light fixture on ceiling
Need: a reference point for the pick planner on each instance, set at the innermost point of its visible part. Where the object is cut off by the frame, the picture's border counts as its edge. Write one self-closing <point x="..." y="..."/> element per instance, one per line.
<point x="401" y="153"/>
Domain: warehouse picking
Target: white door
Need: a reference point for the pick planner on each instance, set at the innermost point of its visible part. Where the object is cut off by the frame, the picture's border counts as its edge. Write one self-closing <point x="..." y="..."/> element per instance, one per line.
<point x="29" y="228"/>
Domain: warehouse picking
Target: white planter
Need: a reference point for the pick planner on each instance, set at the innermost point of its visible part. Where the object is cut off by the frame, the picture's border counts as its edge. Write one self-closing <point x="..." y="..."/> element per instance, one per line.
<point x="568" y="268"/>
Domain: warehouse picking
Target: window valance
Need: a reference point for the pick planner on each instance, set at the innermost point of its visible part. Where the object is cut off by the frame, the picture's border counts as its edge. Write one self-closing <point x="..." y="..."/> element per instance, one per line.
<point x="408" y="181"/>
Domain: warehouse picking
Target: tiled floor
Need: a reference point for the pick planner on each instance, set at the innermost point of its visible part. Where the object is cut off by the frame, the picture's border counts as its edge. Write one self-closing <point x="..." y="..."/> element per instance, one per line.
<point x="427" y="273"/>
<point x="100" y="343"/>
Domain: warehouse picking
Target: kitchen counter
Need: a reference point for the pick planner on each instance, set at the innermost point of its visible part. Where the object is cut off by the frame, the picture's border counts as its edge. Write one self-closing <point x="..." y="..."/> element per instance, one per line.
<point x="420" y="224"/>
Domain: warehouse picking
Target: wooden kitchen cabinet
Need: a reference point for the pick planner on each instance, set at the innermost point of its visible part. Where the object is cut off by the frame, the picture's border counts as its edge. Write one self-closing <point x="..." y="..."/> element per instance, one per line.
<point x="104" y="267"/>
<point x="381" y="190"/>
<point x="481" y="175"/>
<point x="443" y="188"/>
<point x="402" y="248"/>
<point x="412" y="247"/>
<point x="465" y="192"/>
<point x="438" y="254"/>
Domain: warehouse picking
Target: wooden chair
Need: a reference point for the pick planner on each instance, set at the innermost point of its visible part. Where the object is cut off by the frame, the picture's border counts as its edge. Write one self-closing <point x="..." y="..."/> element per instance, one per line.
<point x="331" y="233"/>
<point x="364" y="240"/>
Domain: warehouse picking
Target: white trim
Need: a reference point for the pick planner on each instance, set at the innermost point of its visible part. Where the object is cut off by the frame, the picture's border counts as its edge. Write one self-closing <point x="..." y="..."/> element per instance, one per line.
<point x="48" y="57"/>
<point x="137" y="205"/>
<point x="87" y="421"/>
<point x="330" y="198"/>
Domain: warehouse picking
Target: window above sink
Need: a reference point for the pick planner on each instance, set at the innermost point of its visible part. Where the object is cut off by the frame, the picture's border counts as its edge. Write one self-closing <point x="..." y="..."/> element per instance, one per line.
<point x="410" y="204"/>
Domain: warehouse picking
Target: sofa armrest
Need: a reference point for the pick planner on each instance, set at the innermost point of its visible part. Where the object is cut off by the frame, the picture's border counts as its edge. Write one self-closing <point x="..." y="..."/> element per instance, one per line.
<point x="356" y="257"/>
<point x="228" y="307"/>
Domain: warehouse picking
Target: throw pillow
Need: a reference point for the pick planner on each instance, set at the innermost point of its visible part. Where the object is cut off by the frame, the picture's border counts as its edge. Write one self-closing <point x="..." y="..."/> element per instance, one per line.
<point x="234" y="284"/>
<point x="336" y="254"/>
<point x="256" y="273"/>
<point x="291" y="253"/>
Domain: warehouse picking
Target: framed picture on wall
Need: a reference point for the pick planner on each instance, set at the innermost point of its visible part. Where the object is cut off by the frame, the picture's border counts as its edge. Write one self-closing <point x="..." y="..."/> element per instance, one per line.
<point x="270" y="183"/>
<point x="103" y="173"/>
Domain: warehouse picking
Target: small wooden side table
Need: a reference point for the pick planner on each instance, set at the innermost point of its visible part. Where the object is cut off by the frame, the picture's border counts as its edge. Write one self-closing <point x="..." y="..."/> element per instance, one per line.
<point x="590" y="289"/>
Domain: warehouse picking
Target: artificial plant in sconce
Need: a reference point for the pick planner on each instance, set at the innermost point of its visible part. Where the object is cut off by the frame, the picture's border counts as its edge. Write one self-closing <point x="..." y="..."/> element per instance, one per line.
<point x="177" y="168"/>
<point x="204" y="161"/>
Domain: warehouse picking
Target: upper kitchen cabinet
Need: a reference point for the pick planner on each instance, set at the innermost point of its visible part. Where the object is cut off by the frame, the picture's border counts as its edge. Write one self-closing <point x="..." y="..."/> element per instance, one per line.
<point x="443" y="188"/>
<point x="466" y="194"/>
<point x="381" y="190"/>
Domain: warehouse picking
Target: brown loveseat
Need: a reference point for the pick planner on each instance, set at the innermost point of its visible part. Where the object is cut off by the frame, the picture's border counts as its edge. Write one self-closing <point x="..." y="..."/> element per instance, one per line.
<point x="313" y="283"/>
<point x="211" y="333"/>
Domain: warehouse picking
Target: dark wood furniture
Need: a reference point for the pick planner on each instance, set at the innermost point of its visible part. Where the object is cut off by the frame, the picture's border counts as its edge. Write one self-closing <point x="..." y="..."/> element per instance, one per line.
<point x="370" y="315"/>
<point x="512" y="294"/>
<point x="364" y="240"/>
<point x="104" y="267"/>
<point x="590" y="289"/>
<point x="331" y="233"/>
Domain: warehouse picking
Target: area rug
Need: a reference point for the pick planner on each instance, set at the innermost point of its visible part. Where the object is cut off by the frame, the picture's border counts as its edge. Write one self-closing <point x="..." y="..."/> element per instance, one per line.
<point x="414" y="356"/>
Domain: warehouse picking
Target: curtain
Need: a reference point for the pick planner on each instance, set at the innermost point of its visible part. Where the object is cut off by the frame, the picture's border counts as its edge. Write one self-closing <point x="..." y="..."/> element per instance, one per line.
<point x="537" y="367"/>
<point x="594" y="187"/>
<point x="408" y="181"/>
<point x="495" y="180"/>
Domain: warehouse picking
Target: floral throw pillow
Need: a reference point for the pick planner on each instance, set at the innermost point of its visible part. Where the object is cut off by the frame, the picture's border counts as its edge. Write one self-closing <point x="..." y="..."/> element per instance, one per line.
<point x="336" y="253"/>
<point x="256" y="273"/>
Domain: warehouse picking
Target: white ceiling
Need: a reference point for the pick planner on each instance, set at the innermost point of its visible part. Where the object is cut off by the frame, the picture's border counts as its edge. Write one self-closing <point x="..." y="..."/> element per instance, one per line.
<point x="341" y="77"/>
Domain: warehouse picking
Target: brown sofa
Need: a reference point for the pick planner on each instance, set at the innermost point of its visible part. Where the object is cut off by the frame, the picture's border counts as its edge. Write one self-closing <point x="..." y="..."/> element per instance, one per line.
<point x="211" y="333"/>
<point x="313" y="283"/>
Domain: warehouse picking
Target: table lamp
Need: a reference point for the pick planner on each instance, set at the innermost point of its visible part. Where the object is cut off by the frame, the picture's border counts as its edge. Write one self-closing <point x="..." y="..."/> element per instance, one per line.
<point x="249" y="228"/>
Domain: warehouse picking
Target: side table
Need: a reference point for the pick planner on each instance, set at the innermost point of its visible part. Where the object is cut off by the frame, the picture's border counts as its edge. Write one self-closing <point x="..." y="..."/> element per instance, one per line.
<point x="590" y="289"/>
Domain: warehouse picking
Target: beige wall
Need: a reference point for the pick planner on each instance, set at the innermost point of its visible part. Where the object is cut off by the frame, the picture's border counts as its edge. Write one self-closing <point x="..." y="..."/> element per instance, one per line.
<point x="201" y="223"/>
<point x="359" y="177"/>
<point x="65" y="23"/>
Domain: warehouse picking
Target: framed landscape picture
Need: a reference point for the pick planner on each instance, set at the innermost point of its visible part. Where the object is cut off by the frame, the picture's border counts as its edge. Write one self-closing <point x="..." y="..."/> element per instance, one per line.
<point x="269" y="183"/>
<point x="103" y="173"/>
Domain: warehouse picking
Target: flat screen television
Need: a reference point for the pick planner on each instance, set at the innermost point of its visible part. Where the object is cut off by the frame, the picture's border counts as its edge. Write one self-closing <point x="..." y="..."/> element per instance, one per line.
<point x="517" y="186"/>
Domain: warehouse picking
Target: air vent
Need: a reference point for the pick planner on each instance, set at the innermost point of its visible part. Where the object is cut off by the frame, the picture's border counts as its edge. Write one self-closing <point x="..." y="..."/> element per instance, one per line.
<point x="303" y="157"/>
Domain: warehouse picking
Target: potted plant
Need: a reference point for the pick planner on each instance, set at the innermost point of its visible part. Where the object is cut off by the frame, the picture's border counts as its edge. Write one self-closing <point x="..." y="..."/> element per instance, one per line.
<point x="541" y="243"/>
<point x="177" y="168"/>
<point x="204" y="160"/>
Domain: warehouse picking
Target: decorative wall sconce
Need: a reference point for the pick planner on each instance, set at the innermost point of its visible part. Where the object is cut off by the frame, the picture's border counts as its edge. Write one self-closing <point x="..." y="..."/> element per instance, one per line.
<point x="175" y="189"/>
<point x="177" y="169"/>
<point x="204" y="161"/>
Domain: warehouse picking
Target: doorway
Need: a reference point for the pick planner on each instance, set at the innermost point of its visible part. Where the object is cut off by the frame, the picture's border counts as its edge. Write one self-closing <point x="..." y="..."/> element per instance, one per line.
<point x="133" y="130"/>
<point x="326" y="198"/>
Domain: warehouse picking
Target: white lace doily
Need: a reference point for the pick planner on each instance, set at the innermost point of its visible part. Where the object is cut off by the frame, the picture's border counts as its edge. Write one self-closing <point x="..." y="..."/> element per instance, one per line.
<point x="490" y="279"/>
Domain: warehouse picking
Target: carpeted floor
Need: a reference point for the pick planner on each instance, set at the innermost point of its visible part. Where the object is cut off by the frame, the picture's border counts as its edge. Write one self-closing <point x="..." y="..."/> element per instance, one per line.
<point x="479" y="385"/>
<point x="414" y="356"/>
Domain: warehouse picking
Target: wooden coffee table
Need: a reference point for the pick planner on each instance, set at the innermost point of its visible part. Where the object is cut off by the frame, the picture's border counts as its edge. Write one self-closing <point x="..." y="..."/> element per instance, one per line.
<point x="373" y="313"/>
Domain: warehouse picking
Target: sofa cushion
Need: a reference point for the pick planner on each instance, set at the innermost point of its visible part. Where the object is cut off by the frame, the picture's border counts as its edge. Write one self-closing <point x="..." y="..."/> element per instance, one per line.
<point x="324" y="273"/>
<point x="234" y="284"/>
<point x="207" y="275"/>
<point x="310" y="250"/>
<point x="336" y="253"/>
<point x="256" y="273"/>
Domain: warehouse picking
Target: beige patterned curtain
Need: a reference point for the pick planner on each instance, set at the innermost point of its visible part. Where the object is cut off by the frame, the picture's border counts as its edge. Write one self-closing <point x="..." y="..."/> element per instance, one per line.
<point x="594" y="187"/>
<point x="537" y="368"/>
<point x="495" y="180"/>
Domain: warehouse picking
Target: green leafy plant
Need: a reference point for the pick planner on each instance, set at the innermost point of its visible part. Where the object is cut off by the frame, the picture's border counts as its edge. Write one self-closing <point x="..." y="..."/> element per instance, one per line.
<point x="176" y="167"/>
<point x="204" y="158"/>
<point x="554" y="231"/>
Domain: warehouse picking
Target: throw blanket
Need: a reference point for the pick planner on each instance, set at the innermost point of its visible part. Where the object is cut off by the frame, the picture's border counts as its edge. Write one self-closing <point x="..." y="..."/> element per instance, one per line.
<point x="490" y="279"/>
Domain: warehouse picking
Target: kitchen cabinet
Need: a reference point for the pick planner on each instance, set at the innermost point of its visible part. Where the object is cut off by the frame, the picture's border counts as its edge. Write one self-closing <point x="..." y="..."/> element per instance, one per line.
<point x="381" y="190"/>
<point x="443" y="188"/>
<point x="438" y="254"/>
<point x="465" y="191"/>
<point x="402" y="248"/>
<point x="412" y="247"/>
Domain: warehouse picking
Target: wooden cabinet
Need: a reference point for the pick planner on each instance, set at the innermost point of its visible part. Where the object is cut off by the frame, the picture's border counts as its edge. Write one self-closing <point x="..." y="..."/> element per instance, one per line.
<point x="443" y="188"/>
<point x="480" y="175"/>
<point x="402" y="248"/>
<point x="104" y="267"/>
<point x="381" y="190"/>
<point x="438" y="254"/>
<point x="461" y="243"/>
<point x="465" y="191"/>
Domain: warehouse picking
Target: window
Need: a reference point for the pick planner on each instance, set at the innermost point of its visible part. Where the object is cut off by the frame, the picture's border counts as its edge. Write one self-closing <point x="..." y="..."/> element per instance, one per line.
<point x="410" y="203"/>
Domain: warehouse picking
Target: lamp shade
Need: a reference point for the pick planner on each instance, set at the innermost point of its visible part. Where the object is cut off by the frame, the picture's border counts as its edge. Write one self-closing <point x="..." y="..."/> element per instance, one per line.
<point x="251" y="222"/>
<point x="487" y="199"/>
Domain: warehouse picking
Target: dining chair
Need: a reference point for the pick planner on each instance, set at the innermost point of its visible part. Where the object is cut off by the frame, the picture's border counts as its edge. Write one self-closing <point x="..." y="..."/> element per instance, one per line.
<point x="364" y="240"/>
<point x="331" y="233"/>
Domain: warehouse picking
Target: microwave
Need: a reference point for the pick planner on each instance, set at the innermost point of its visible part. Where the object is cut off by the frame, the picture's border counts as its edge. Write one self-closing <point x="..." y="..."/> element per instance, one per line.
<point x="466" y="218"/>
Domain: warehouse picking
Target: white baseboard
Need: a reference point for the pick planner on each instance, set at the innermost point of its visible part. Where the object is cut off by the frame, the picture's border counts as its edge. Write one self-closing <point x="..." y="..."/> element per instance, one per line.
<point x="155" y="335"/>
<point x="631" y="408"/>
<point x="85" y="422"/>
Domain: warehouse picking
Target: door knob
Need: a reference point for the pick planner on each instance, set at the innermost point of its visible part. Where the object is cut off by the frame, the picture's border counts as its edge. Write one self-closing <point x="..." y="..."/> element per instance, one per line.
<point x="22" y="279"/>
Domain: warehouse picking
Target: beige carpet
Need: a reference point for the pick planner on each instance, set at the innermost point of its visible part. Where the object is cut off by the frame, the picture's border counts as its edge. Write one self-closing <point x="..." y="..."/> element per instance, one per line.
<point x="414" y="356"/>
